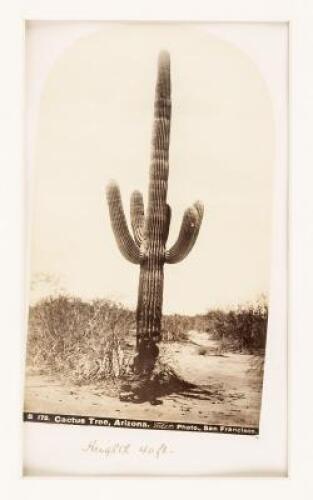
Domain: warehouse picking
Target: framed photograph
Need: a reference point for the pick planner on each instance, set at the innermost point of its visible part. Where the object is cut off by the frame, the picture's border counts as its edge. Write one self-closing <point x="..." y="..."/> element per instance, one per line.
<point x="122" y="332"/>
<point x="163" y="224"/>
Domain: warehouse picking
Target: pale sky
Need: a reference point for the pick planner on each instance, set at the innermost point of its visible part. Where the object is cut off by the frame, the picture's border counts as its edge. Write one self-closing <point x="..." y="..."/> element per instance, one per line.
<point x="95" y="123"/>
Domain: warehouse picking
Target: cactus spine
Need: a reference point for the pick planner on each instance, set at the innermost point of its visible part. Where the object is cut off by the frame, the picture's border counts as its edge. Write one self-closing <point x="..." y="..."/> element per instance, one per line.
<point x="148" y="246"/>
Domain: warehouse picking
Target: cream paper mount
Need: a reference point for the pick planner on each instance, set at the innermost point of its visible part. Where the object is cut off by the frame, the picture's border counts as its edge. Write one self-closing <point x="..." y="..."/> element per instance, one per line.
<point x="190" y="335"/>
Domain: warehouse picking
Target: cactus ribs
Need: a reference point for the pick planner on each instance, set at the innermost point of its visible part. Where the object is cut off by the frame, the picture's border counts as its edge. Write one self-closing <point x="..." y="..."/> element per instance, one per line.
<point x="148" y="246"/>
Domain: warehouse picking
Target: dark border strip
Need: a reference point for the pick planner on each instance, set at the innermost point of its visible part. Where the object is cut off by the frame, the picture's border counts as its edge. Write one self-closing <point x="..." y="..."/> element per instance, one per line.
<point x="54" y="418"/>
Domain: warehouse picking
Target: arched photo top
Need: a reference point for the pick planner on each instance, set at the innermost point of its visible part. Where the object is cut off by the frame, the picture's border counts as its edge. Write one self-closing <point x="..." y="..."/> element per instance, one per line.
<point x="95" y="123"/>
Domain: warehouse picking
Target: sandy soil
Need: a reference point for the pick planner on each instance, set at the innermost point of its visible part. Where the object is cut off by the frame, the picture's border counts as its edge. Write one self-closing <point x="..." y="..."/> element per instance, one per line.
<point x="235" y="391"/>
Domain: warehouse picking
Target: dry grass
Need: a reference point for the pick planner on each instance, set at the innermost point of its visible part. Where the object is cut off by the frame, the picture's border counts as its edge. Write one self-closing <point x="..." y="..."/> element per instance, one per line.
<point x="90" y="342"/>
<point x="242" y="329"/>
<point x="86" y="342"/>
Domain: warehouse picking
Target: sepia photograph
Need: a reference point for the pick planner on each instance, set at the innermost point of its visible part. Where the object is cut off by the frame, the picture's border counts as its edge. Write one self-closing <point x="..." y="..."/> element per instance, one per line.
<point x="151" y="160"/>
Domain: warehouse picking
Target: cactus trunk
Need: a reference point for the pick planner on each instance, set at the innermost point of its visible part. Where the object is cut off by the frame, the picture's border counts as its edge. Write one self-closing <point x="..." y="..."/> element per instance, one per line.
<point x="150" y="296"/>
<point x="148" y="247"/>
<point x="149" y="315"/>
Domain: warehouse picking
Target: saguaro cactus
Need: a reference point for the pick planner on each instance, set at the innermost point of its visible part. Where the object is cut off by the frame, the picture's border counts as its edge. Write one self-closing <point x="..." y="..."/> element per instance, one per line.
<point x="148" y="246"/>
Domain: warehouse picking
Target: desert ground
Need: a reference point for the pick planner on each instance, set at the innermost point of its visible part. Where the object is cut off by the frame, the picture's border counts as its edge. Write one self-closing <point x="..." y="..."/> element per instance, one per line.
<point x="234" y="389"/>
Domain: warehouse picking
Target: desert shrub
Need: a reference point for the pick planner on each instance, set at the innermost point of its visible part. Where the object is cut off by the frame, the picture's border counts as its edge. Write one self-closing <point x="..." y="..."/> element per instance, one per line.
<point x="94" y="341"/>
<point x="176" y="326"/>
<point x="202" y="351"/>
<point x="83" y="341"/>
<point x="242" y="329"/>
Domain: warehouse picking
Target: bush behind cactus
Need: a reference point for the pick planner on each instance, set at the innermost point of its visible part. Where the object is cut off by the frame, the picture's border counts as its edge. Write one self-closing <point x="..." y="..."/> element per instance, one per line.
<point x="89" y="342"/>
<point x="86" y="342"/>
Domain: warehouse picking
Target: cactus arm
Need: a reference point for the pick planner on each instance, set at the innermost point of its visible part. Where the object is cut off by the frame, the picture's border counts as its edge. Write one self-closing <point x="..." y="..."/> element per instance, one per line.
<point x="124" y="240"/>
<point x="137" y="216"/>
<point x="168" y="222"/>
<point x="187" y="236"/>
